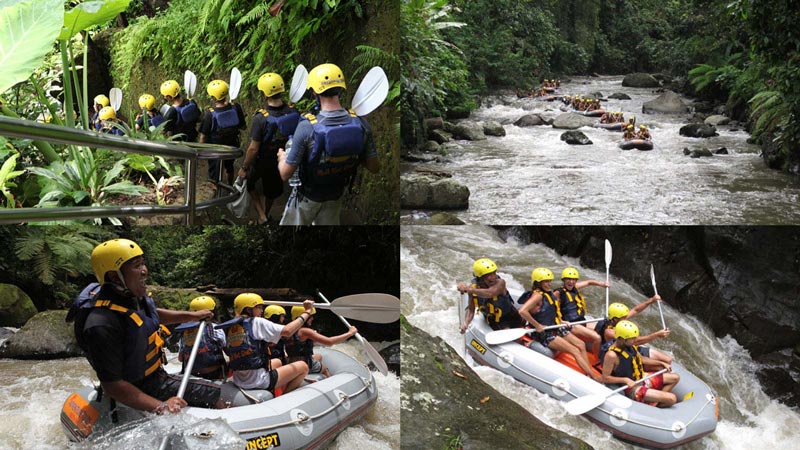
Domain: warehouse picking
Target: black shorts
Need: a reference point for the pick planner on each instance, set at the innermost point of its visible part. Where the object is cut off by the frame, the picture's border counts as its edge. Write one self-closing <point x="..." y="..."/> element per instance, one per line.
<point x="273" y="380"/>
<point x="266" y="170"/>
<point x="199" y="393"/>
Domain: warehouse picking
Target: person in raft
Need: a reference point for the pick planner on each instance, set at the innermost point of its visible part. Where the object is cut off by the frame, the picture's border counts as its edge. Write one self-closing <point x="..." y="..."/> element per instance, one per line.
<point x="573" y="306"/>
<point x="300" y="347"/>
<point x="488" y="293"/>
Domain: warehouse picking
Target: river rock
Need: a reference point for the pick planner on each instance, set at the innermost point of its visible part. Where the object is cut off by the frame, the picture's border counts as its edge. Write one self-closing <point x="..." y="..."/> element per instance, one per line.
<point x="717" y="119"/>
<point x="428" y="190"/>
<point x="444" y="218"/>
<point x="572" y="121"/>
<point x="443" y="399"/>
<point x="493" y="128"/>
<point x="45" y="336"/>
<point x="740" y="281"/>
<point x="643" y="80"/>
<point x="391" y="354"/>
<point x="433" y="123"/>
<point x="468" y="130"/>
<point x="698" y="153"/>
<point x="422" y="158"/>
<point x="704" y="106"/>
<point x="575" y="137"/>
<point x="698" y="130"/>
<point x="721" y="151"/>
<point x="596" y="94"/>
<point x="15" y="306"/>
<point x="666" y="103"/>
<point x="5" y="333"/>
<point x="530" y="120"/>
<point x="620" y="96"/>
<point x="439" y="136"/>
<point x="430" y="147"/>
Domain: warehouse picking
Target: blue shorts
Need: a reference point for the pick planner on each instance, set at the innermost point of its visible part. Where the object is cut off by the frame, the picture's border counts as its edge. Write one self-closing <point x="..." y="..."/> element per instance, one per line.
<point x="546" y="337"/>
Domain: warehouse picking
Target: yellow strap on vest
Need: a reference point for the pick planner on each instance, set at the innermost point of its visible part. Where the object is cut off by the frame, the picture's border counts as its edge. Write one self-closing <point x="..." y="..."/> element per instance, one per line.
<point x="114" y="307"/>
<point x="263" y="112"/>
<point x="352" y="113"/>
<point x="311" y="118"/>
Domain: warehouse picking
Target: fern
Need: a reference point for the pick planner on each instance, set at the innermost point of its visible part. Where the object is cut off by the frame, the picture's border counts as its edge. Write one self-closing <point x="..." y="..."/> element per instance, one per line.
<point x="56" y="253"/>
<point x="768" y="112"/>
<point x="372" y="56"/>
<point x="254" y="15"/>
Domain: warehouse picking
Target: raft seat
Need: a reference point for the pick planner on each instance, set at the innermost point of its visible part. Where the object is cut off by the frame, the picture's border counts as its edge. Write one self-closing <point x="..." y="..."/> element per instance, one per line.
<point x="231" y="393"/>
<point x="569" y="361"/>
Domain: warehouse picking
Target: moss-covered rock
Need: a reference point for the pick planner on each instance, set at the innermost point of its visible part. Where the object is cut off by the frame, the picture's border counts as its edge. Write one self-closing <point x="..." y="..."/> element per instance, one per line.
<point x="45" y="336"/>
<point x="173" y="298"/>
<point x="15" y="306"/>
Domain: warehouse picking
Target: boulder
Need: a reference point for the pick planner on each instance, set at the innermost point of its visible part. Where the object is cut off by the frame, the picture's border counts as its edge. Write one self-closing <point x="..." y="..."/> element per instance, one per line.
<point x="698" y="130"/>
<point x="45" y="336"/>
<point x="443" y="399"/>
<point x="422" y="158"/>
<point x="468" y="130"/>
<point x="6" y="333"/>
<point x="433" y="123"/>
<point x="620" y="96"/>
<point x="704" y="107"/>
<point x="666" y="103"/>
<point x="530" y="120"/>
<point x="698" y="153"/>
<point x="572" y="121"/>
<point x="444" y="218"/>
<point x="391" y="354"/>
<point x="575" y="138"/>
<point x="493" y="128"/>
<point x="428" y="190"/>
<point x="721" y="151"/>
<point x="439" y="136"/>
<point x="15" y="306"/>
<point x="596" y="94"/>
<point x="717" y="119"/>
<point x="642" y="80"/>
<point x="430" y="147"/>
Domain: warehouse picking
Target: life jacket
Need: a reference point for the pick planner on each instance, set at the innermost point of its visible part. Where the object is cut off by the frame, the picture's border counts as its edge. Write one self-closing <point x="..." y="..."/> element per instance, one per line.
<point x="143" y="333"/>
<point x="630" y="363"/>
<point x="297" y="348"/>
<point x="550" y="312"/>
<point x="112" y="130"/>
<point x="333" y="160"/>
<point x="96" y="123"/>
<point x="224" y="124"/>
<point x="284" y="122"/>
<point x="493" y="309"/>
<point x="155" y="121"/>
<point x="245" y="351"/>
<point x="209" y="353"/>
<point x="278" y="350"/>
<point x="573" y="305"/>
<point x="188" y="113"/>
<point x="601" y="327"/>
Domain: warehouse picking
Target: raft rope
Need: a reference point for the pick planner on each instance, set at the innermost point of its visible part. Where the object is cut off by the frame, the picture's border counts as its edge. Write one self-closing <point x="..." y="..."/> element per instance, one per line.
<point x="489" y="347"/>
<point x="305" y="418"/>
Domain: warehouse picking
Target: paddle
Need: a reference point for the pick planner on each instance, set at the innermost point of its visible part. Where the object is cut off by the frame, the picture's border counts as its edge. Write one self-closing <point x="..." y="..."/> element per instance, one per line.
<point x="236" y="83"/>
<point x="189" y="83"/>
<point x="655" y="290"/>
<point x="187" y="371"/>
<point x="608" y="265"/>
<point x="372" y="354"/>
<point x="115" y="97"/>
<point x="512" y="334"/>
<point x="589" y="402"/>
<point x="374" y="308"/>
<point x="371" y="92"/>
<point x="299" y="84"/>
<point x="462" y="313"/>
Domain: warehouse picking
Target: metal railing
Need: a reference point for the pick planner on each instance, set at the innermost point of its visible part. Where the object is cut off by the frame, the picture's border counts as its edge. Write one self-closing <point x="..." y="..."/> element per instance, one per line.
<point x="190" y="151"/>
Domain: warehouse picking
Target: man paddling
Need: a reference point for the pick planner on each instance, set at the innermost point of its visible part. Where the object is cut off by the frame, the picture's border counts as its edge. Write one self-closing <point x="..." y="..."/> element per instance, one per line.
<point x="488" y="293"/>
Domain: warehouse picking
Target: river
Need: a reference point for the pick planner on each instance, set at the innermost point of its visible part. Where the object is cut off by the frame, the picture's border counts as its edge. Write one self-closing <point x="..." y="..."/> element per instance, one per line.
<point x="33" y="392"/>
<point x="435" y="258"/>
<point x="531" y="177"/>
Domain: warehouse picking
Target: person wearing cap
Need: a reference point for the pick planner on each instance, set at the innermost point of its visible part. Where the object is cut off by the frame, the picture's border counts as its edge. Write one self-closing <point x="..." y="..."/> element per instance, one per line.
<point x="327" y="149"/>
<point x="221" y="125"/>
<point x="121" y="330"/>
<point x="210" y="359"/>
<point x="300" y="346"/>
<point x="100" y="102"/>
<point x="489" y="295"/>
<point x="247" y="337"/>
<point x="108" y="117"/>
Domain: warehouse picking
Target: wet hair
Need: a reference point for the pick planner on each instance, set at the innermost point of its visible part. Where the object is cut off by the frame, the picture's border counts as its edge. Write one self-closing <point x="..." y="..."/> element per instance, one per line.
<point x="332" y="92"/>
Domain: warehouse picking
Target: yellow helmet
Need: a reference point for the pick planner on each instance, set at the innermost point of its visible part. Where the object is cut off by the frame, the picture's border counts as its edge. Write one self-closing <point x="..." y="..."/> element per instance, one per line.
<point x="297" y="310"/>
<point x="324" y="77"/>
<point x="170" y="88"/>
<point x="202" y="303"/>
<point x="147" y="101"/>
<point x="570" y="272"/>
<point x="630" y="127"/>
<point x="217" y="89"/>
<point x="107" y="113"/>
<point x="102" y="100"/>
<point x="273" y="310"/>
<point x="246" y="300"/>
<point x="483" y="266"/>
<point x="540" y="274"/>
<point x="642" y="127"/>
<point x="271" y="84"/>
<point x="617" y="311"/>
<point x="626" y="330"/>
<point x="111" y="255"/>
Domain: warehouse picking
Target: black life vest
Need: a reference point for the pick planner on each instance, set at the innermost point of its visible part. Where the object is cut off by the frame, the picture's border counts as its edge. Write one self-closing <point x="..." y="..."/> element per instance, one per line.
<point x="209" y="353"/>
<point x="297" y="348"/>
<point x="573" y="305"/>
<point x="495" y="308"/>
<point x="245" y="351"/>
<point x="284" y="122"/>
<point x="630" y="363"/>
<point x="550" y="312"/>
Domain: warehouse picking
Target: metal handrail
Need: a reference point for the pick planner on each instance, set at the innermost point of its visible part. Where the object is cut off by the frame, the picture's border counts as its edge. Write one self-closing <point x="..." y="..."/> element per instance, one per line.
<point x="190" y="151"/>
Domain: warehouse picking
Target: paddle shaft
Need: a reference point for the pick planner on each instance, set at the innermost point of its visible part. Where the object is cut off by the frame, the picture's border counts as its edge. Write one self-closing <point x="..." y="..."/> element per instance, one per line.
<point x="582" y="405"/>
<point x="512" y="334"/>
<point x="608" y="266"/>
<point x="642" y="380"/>
<point x="655" y="290"/>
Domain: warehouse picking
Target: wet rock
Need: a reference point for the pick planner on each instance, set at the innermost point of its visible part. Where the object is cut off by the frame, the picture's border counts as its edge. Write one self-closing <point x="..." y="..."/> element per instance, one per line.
<point x="704" y="107"/>
<point x="444" y="218"/>
<point x="643" y="80"/>
<point x="468" y="130"/>
<point x="439" y="136"/>
<point x="432" y="190"/>
<point x="575" y="138"/>
<point x="422" y="158"/>
<point x="391" y="355"/>
<point x="430" y="147"/>
<point x="620" y="96"/>
<point x="45" y="336"/>
<point x="701" y="153"/>
<point x="771" y="152"/>
<point x="717" y="119"/>
<point x="15" y="306"/>
<point x="698" y="130"/>
<point x="596" y="94"/>
<point x="439" y="405"/>
<point x="493" y="128"/>
<point x="5" y="333"/>
<point x="666" y="103"/>
<point x="572" y="121"/>
<point x="433" y="123"/>
<point x="721" y="151"/>
<point x="530" y="120"/>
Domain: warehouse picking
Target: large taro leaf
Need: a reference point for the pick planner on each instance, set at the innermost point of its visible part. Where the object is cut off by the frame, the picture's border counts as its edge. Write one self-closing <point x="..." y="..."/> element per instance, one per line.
<point x="89" y="14"/>
<point x="28" y="29"/>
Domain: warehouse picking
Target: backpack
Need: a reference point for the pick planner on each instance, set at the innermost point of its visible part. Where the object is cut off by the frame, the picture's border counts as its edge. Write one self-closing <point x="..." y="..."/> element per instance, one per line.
<point x="80" y="309"/>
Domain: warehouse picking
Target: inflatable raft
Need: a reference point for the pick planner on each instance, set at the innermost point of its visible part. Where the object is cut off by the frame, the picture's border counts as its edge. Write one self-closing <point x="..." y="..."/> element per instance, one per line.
<point x="308" y="417"/>
<point x="595" y="113"/>
<point x="638" y="144"/>
<point x="616" y="126"/>
<point x="695" y="416"/>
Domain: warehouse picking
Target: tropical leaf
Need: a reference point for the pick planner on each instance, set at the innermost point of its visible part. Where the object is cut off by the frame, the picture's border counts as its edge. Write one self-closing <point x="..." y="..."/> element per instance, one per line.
<point x="29" y="29"/>
<point x="89" y="14"/>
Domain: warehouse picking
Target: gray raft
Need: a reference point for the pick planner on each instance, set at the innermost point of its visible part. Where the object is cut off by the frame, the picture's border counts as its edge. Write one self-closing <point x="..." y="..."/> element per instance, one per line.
<point x="308" y="417"/>
<point x="690" y="419"/>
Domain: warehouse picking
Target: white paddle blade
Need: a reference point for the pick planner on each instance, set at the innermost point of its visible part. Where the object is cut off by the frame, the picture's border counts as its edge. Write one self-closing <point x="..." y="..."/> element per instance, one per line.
<point x="503" y="336"/>
<point x="653" y="279"/>
<point x="187" y="80"/>
<point x="115" y="97"/>
<point x="585" y="404"/>
<point x="375" y="300"/>
<point x="371" y="92"/>
<point x="608" y="253"/>
<point x="365" y="314"/>
<point x="374" y="356"/>
<point x="236" y="83"/>
<point x="299" y="84"/>
<point x="192" y="84"/>
<point x="462" y="310"/>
